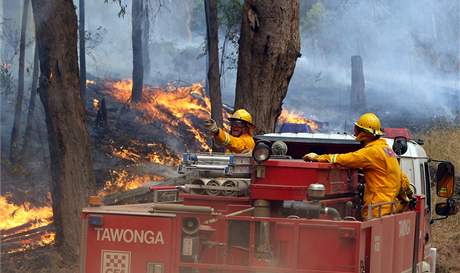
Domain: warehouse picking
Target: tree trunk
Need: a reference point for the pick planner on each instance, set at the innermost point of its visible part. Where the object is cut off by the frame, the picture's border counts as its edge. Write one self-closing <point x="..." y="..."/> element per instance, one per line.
<point x="268" y="48"/>
<point x="213" y="60"/>
<point x="81" y="37"/>
<point x="138" y="67"/>
<point x="14" y="141"/>
<point x="358" y="98"/>
<point x="146" y="39"/>
<point x="30" y="113"/>
<point x="72" y="177"/>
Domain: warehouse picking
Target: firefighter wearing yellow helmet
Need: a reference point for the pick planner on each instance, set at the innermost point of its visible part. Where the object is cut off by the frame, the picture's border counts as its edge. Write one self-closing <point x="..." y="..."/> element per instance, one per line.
<point x="383" y="175"/>
<point x="239" y="140"/>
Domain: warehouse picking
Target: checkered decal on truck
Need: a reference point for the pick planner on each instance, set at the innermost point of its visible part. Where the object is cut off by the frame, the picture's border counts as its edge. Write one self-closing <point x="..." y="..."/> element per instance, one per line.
<point x="115" y="261"/>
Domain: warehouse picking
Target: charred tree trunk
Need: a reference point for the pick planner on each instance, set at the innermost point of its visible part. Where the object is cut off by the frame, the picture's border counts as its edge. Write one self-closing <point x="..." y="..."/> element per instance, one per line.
<point x="358" y="98"/>
<point x="146" y="39"/>
<point x="101" y="116"/>
<point x="30" y="113"/>
<point x="14" y="141"/>
<point x="212" y="29"/>
<point x="81" y="37"/>
<point x="72" y="177"/>
<point x="268" y="48"/>
<point x="138" y="59"/>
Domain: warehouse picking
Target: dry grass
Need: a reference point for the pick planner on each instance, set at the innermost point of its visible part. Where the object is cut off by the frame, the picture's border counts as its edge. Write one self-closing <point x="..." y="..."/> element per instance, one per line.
<point x="442" y="143"/>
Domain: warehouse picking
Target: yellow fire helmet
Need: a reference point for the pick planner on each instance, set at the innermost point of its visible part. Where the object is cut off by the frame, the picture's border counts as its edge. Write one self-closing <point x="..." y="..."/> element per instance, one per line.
<point x="242" y="114"/>
<point x="370" y="123"/>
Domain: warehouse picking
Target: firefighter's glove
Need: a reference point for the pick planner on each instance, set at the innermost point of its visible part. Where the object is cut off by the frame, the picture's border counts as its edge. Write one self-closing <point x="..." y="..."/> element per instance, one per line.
<point x="412" y="203"/>
<point x="310" y="157"/>
<point x="211" y="126"/>
<point x="409" y="193"/>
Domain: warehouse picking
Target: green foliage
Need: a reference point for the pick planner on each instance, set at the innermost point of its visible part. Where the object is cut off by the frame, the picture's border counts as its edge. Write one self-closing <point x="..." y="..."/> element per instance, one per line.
<point x="311" y="21"/>
<point x="6" y="79"/>
<point x="229" y="20"/>
<point x="229" y="14"/>
<point x="93" y="40"/>
<point x="122" y="5"/>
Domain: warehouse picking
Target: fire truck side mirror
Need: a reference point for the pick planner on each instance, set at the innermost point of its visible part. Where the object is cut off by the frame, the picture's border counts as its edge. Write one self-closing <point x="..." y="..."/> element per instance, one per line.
<point x="445" y="180"/>
<point x="448" y="208"/>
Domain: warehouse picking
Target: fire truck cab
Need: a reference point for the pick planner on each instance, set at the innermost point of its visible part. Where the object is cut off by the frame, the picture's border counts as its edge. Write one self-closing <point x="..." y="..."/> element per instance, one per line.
<point x="271" y="212"/>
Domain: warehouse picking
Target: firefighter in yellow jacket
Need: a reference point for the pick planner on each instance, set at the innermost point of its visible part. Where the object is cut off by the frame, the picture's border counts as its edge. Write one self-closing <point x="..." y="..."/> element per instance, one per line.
<point x="384" y="178"/>
<point x="240" y="140"/>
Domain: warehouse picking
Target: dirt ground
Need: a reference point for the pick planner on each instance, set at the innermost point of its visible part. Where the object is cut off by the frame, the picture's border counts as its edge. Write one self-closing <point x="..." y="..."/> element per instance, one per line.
<point x="446" y="237"/>
<point x="43" y="260"/>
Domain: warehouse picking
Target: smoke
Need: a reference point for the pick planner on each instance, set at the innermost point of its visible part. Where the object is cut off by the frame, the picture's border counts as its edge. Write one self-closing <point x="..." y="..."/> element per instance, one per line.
<point x="173" y="47"/>
<point x="410" y="52"/>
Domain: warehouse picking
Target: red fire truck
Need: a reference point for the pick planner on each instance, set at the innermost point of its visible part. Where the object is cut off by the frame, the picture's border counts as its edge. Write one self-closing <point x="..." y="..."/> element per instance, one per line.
<point x="272" y="212"/>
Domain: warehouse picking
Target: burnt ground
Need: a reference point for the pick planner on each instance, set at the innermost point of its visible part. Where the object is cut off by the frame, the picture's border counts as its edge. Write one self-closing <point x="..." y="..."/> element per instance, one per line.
<point x="42" y="260"/>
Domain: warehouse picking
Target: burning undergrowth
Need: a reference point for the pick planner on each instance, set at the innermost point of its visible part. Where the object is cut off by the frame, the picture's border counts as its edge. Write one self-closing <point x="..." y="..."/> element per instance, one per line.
<point x="24" y="226"/>
<point x="297" y="118"/>
<point x="176" y="111"/>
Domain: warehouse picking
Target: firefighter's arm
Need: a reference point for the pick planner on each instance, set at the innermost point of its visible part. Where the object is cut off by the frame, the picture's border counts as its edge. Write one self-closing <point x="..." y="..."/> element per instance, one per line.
<point x="235" y="144"/>
<point x="358" y="159"/>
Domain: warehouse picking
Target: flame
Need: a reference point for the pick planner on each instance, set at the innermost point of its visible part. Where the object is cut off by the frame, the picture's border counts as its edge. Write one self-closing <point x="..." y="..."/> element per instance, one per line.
<point x="122" y="181"/>
<point x="298" y="118"/>
<point x="90" y="82"/>
<point x="173" y="107"/>
<point x="125" y="153"/>
<point x="153" y="152"/>
<point x="96" y="104"/>
<point x="12" y="215"/>
<point x="161" y="155"/>
<point x="47" y="238"/>
<point x="23" y="218"/>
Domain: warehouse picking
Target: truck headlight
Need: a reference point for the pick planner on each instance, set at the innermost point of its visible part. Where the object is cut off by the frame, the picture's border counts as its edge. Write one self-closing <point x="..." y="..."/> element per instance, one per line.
<point x="261" y="152"/>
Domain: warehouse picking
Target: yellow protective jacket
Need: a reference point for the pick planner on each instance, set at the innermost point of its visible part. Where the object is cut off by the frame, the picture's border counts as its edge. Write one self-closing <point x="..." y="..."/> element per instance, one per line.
<point x="382" y="172"/>
<point x="237" y="145"/>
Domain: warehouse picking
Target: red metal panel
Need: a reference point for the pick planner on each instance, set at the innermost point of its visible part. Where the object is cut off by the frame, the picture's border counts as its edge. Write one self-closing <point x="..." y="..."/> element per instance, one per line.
<point x="321" y="247"/>
<point x="397" y="132"/>
<point x="387" y="243"/>
<point x="219" y="203"/>
<point x="274" y="192"/>
<point x="421" y="210"/>
<point x="127" y="243"/>
<point x="404" y="226"/>
<point x="285" y="173"/>
<point x="391" y="246"/>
